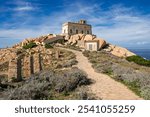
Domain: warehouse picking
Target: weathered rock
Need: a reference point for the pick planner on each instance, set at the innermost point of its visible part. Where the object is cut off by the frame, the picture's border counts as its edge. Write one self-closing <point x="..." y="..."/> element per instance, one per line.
<point x="119" y="51"/>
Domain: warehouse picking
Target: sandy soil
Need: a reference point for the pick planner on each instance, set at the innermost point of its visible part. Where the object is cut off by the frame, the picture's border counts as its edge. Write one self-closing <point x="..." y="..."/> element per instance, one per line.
<point x="103" y="87"/>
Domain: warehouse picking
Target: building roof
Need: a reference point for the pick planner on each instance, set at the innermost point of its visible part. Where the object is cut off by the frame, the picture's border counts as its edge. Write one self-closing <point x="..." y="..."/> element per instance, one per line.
<point x="79" y="23"/>
<point x="91" y="41"/>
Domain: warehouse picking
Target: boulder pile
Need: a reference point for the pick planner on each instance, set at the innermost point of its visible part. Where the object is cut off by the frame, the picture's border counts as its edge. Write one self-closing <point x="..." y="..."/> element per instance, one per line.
<point x="118" y="51"/>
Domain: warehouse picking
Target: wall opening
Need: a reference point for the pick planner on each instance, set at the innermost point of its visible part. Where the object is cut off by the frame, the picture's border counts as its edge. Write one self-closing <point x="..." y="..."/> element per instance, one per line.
<point x="76" y="31"/>
<point x="71" y="31"/>
<point x="87" y="32"/>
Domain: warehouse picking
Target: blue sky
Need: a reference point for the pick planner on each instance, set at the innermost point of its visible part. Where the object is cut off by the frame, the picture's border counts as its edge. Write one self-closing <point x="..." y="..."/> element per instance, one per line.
<point x="121" y="22"/>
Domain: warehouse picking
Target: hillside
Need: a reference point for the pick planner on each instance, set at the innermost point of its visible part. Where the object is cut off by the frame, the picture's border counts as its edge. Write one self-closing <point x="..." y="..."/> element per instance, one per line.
<point x="135" y="77"/>
<point x="53" y="73"/>
<point x="56" y="79"/>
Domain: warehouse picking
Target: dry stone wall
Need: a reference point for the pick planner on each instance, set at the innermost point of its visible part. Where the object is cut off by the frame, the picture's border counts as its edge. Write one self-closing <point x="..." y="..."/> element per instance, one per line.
<point x="30" y="62"/>
<point x="37" y="64"/>
<point x="27" y="66"/>
<point x="24" y="67"/>
<point x="15" y="68"/>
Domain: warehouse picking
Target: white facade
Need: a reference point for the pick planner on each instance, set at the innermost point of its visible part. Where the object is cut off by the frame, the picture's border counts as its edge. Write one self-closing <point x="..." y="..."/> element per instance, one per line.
<point x="81" y="27"/>
<point x="91" y="46"/>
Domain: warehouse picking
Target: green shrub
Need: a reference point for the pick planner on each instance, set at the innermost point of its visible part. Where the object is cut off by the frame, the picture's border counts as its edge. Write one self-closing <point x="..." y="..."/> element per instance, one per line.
<point x="139" y="60"/>
<point x="48" y="46"/>
<point x="61" y="41"/>
<point x="30" y="45"/>
<point x="134" y="86"/>
<point x="145" y="92"/>
<point x="86" y="53"/>
<point x="108" y="71"/>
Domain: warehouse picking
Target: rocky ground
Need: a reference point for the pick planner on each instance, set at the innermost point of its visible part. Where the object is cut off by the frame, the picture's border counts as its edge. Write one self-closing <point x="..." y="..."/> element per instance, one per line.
<point x="136" y="77"/>
<point x="57" y="80"/>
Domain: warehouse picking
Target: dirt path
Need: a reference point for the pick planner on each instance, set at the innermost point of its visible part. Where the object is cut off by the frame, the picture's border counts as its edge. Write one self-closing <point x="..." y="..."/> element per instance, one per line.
<point x="104" y="86"/>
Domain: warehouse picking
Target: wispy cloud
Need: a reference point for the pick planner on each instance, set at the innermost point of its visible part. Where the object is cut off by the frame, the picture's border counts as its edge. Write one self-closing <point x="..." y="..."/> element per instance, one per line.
<point x="24" y="8"/>
<point x="142" y="42"/>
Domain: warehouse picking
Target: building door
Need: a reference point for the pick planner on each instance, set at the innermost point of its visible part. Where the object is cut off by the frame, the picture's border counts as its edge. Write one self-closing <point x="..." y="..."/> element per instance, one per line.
<point x="90" y="46"/>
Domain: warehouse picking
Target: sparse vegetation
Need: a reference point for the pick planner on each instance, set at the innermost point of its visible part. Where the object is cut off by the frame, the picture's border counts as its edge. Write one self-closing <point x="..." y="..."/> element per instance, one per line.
<point x="59" y="84"/>
<point x="58" y="81"/>
<point x="4" y="66"/>
<point x="139" y="60"/>
<point x="47" y="46"/>
<point x="66" y="59"/>
<point x="73" y="47"/>
<point x="61" y="41"/>
<point x="30" y="45"/>
<point x="134" y="76"/>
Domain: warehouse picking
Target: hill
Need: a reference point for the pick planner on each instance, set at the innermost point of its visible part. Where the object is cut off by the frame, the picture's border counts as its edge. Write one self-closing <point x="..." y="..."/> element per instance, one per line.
<point x="38" y="64"/>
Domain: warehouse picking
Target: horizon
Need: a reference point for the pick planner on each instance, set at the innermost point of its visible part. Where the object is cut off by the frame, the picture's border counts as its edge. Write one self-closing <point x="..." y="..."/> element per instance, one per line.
<point x="122" y="23"/>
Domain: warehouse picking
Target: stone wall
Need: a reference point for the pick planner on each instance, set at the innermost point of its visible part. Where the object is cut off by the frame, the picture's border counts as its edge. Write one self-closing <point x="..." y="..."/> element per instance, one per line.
<point x="37" y="64"/>
<point x="27" y="67"/>
<point x="15" y="69"/>
<point x="24" y="67"/>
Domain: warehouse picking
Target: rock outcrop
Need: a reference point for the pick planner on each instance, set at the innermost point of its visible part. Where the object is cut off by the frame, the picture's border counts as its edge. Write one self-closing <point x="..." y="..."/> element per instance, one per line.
<point x="39" y="40"/>
<point x="118" y="51"/>
<point x="80" y="39"/>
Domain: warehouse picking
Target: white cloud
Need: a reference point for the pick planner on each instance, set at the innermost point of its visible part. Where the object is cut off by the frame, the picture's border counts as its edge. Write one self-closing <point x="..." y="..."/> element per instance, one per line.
<point x="119" y="24"/>
<point x="24" y="8"/>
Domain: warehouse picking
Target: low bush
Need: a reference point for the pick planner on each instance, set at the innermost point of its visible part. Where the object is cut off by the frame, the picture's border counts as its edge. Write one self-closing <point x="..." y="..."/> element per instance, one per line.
<point x="30" y="45"/>
<point x="47" y="46"/>
<point x="73" y="47"/>
<point x="61" y="41"/>
<point x="138" y="80"/>
<point x="69" y="63"/>
<point x="139" y="60"/>
<point x="108" y="71"/>
<point x="145" y="92"/>
<point x="48" y="85"/>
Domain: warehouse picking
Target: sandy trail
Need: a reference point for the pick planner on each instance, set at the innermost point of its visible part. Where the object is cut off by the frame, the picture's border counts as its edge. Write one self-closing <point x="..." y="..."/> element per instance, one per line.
<point x="104" y="87"/>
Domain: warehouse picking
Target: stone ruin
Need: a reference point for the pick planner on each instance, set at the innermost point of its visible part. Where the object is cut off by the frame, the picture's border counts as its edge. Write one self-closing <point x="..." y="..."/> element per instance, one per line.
<point x="29" y="62"/>
<point x="24" y="67"/>
<point x="14" y="70"/>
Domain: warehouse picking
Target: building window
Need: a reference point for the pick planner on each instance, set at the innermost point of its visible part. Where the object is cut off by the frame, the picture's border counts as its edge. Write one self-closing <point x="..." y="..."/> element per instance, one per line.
<point x="82" y="32"/>
<point x="64" y="31"/>
<point x="71" y="31"/>
<point x="76" y="31"/>
<point x="87" y="32"/>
